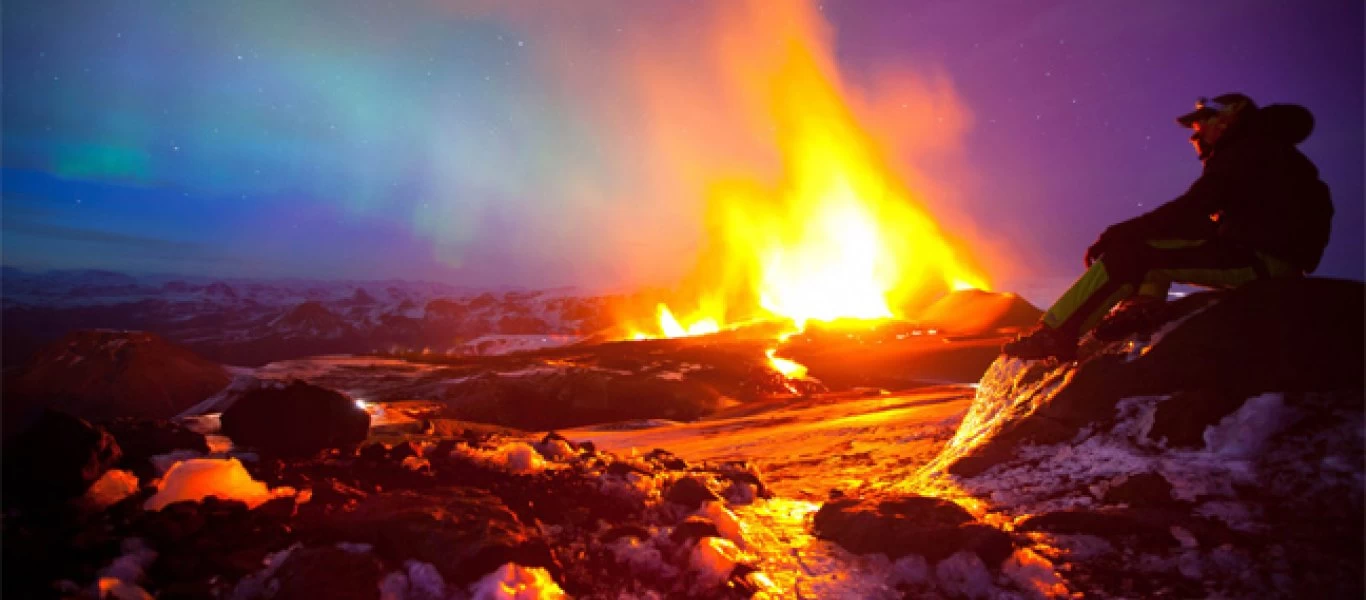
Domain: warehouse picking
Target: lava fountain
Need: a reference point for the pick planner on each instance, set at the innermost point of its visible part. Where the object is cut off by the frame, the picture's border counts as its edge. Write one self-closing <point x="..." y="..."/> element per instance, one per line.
<point x="837" y="234"/>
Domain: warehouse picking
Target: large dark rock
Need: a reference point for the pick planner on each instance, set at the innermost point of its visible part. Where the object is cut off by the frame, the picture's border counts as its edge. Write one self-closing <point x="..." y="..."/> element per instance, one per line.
<point x="56" y="459"/>
<point x="298" y="419"/>
<point x="1224" y="440"/>
<point x="328" y="572"/>
<point x="463" y="532"/>
<point x="1291" y="335"/>
<point x="930" y="527"/>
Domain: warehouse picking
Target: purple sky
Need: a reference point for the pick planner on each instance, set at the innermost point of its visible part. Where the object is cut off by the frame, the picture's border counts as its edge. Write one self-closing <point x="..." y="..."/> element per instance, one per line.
<point x="514" y="143"/>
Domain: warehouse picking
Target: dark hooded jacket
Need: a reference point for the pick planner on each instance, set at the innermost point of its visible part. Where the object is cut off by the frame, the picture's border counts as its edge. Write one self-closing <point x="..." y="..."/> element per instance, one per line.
<point x="1257" y="190"/>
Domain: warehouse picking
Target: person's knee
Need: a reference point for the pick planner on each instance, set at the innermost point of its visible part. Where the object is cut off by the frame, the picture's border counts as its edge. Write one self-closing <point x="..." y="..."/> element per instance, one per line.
<point x="1127" y="261"/>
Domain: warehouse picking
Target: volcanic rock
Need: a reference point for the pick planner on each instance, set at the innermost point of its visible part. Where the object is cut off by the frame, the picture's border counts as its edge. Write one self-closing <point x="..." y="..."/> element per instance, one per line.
<point x="56" y="459"/>
<point x="464" y="532"/>
<point x="1235" y="426"/>
<point x="102" y="374"/>
<point x="298" y="419"/>
<point x="690" y="493"/>
<point x="540" y="401"/>
<point x="930" y="527"/>
<point x="328" y="572"/>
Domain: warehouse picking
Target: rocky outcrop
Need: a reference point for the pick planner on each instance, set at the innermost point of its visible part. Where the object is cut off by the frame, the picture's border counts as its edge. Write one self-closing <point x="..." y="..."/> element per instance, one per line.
<point x="1216" y="452"/>
<point x="55" y="460"/>
<point x="296" y="419"/>
<point x="568" y="398"/>
<point x="929" y="527"/>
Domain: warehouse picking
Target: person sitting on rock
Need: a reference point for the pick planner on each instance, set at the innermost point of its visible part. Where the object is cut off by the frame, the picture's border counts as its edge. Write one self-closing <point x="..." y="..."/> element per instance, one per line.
<point x="1258" y="210"/>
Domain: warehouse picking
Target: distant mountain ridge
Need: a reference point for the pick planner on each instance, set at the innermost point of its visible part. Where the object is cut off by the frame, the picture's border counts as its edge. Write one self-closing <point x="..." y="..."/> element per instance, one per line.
<point x="251" y="321"/>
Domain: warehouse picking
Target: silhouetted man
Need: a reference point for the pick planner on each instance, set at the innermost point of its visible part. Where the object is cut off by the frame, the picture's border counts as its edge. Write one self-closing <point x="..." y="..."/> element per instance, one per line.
<point x="1258" y="210"/>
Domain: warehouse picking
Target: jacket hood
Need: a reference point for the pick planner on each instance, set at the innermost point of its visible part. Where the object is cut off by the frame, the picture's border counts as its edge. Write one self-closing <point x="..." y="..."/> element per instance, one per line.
<point x="1288" y="123"/>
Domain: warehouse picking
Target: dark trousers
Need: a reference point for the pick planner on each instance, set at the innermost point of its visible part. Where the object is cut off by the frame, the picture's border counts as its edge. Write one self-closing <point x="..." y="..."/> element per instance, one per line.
<point x="1148" y="268"/>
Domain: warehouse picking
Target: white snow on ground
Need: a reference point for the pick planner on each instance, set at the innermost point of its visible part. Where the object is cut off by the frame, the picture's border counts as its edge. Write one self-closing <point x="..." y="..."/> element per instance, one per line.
<point x="417" y="581"/>
<point x="803" y="448"/>
<point x="120" y="579"/>
<point x="499" y="344"/>
<point x="513" y="457"/>
<point x="198" y="478"/>
<point x="515" y="582"/>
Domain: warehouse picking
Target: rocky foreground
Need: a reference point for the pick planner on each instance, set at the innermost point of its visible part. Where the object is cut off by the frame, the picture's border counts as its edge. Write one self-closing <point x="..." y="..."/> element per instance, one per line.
<point x="1210" y="450"/>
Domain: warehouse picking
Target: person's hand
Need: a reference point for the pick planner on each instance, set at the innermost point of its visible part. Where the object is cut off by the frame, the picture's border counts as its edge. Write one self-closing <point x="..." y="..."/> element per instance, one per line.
<point x="1103" y="243"/>
<point x="1096" y="250"/>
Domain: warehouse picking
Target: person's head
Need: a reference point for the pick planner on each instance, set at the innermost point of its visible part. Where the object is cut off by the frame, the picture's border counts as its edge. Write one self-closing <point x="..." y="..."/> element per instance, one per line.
<point x="1211" y="119"/>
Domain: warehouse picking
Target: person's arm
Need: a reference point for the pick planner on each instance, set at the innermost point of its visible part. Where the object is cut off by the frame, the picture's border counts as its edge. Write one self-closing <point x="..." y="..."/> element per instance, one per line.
<point x="1186" y="215"/>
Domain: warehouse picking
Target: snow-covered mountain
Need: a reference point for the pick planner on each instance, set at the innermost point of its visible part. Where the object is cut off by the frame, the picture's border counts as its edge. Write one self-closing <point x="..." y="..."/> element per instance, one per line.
<point x="245" y="321"/>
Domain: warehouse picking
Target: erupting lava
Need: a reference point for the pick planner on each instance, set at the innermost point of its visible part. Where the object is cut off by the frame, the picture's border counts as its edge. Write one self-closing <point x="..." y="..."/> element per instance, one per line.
<point x="836" y="235"/>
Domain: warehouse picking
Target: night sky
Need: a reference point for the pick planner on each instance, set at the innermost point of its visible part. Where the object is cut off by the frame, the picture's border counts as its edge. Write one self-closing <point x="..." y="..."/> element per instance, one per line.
<point x="551" y="143"/>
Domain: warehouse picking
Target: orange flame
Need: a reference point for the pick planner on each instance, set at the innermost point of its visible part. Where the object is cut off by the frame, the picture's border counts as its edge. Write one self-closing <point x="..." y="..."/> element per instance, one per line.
<point x="837" y="235"/>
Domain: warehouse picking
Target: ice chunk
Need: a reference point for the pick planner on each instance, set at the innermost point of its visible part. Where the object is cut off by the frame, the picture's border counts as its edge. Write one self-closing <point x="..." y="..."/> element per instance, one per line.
<point x="418" y="581"/>
<point x="726" y="522"/>
<point x="515" y="582"/>
<point x="198" y="478"/>
<point x="1243" y="433"/>
<point x="713" y="559"/>
<point x="963" y="574"/>
<point x="522" y="458"/>
<point x="110" y="488"/>
<point x="1034" y="574"/>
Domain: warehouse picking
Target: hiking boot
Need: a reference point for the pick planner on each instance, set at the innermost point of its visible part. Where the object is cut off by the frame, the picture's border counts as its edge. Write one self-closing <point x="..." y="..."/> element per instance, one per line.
<point x="1041" y="343"/>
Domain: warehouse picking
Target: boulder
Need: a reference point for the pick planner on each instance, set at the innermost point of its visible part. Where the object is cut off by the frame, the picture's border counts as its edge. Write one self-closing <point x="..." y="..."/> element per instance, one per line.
<point x="897" y="526"/>
<point x="328" y="572"/>
<point x="56" y="459"/>
<point x="298" y="419"/>
<point x="1224" y="440"/>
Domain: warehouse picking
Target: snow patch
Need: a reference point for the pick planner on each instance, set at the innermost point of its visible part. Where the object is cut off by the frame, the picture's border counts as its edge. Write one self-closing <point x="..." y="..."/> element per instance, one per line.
<point x="418" y="581"/>
<point x="964" y="574"/>
<point x="1035" y="574"/>
<point x="120" y="579"/>
<point x="514" y="457"/>
<point x="1244" y="433"/>
<point x="515" y="582"/>
<point x="113" y="486"/>
<point x="726" y="522"/>
<point x="198" y="478"/>
<point x="713" y="559"/>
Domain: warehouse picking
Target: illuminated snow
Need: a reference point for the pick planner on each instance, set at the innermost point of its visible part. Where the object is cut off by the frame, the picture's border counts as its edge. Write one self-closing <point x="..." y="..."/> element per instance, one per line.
<point x="515" y="582"/>
<point x="198" y="478"/>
